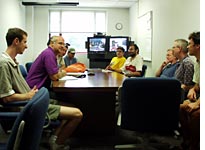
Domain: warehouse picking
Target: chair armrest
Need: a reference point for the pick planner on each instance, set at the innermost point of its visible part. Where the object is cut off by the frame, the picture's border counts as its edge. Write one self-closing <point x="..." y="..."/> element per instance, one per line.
<point x="12" y="104"/>
<point x="8" y="115"/>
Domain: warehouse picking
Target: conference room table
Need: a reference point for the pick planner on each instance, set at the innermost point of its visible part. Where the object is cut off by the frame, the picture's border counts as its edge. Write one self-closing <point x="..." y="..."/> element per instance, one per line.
<point x="95" y="95"/>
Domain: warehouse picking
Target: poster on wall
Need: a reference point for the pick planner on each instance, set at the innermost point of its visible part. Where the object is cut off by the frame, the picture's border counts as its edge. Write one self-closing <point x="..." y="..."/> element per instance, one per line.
<point x="144" y="39"/>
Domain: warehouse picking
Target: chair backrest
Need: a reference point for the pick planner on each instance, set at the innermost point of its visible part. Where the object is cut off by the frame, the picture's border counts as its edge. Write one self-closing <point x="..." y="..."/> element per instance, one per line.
<point x="144" y="69"/>
<point x="23" y="71"/>
<point x="33" y="114"/>
<point x="150" y="104"/>
<point x="28" y="66"/>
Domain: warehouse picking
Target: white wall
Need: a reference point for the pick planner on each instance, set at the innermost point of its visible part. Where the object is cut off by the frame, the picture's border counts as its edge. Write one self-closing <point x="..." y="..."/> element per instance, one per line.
<point x="172" y="19"/>
<point x="12" y="15"/>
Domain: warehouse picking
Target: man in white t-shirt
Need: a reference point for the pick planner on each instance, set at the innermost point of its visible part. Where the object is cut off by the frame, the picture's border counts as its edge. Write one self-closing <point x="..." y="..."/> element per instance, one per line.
<point x="133" y="65"/>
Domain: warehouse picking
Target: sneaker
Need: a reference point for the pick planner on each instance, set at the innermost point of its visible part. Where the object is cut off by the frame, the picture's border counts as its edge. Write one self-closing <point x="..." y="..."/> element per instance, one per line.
<point x="52" y="139"/>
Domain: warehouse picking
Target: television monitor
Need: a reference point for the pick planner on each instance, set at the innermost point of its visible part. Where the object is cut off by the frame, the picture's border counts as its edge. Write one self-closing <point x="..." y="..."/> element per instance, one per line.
<point x="97" y="44"/>
<point x="117" y="41"/>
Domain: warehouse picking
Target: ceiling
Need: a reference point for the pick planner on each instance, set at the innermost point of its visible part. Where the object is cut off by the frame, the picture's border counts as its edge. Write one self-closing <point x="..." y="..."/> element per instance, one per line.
<point x="94" y="3"/>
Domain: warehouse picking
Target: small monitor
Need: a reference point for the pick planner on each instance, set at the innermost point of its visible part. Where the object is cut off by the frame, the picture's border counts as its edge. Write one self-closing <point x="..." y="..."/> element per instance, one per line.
<point x="117" y="41"/>
<point x="96" y="44"/>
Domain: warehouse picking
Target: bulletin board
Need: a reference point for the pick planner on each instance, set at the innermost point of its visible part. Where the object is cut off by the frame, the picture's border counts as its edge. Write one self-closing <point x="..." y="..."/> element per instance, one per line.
<point x="144" y="39"/>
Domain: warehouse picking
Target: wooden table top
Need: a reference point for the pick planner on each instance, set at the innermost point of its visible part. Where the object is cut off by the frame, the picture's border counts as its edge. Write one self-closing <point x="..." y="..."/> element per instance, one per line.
<point x="98" y="80"/>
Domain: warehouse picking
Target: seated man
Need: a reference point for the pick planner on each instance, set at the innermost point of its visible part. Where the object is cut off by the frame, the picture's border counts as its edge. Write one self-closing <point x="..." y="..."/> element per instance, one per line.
<point x="185" y="71"/>
<point x="70" y="57"/>
<point x="190" y="109"/>
<point x="169" y="66"/>
<point x="44" y="70"/>
<point x="133" y="64"/>
<point x="118" y="61"/>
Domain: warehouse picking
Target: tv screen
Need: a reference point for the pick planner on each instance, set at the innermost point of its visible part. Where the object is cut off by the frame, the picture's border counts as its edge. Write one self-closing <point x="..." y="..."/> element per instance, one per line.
<point x="96" y="44"/>
<point x="118" y="41"/>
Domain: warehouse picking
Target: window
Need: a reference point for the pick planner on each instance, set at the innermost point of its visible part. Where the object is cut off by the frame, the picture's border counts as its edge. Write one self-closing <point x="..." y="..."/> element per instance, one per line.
<point x="76" y="26"/>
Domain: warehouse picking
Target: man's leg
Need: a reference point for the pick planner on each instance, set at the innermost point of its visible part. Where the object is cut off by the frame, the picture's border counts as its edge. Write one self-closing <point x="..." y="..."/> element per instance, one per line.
<point x="184" y="121"/>
<point x="71" y="118"/>
<point x="195" y="130"/>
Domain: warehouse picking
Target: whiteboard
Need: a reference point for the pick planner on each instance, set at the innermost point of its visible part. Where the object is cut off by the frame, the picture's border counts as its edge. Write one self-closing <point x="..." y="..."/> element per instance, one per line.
<point x="144" y="39"/>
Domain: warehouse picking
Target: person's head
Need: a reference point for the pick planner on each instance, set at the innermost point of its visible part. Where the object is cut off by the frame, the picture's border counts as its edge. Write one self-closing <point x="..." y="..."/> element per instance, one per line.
<point x="194" y="44"/>
<point x="170" y="56"/>
<point x="64" y="50"/>
<point x="133" y="50"/>
<point x="18" y="38"/>
<point x="180" y="47"/>
<point x="120" y="52"/>
<point x="71" y="52"/>
<point x="57" y="44"/>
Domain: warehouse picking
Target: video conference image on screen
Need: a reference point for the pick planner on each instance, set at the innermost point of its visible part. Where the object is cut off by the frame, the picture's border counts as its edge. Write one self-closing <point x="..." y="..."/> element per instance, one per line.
<point x="116" y="42"/>
<point x="97" y="44"/>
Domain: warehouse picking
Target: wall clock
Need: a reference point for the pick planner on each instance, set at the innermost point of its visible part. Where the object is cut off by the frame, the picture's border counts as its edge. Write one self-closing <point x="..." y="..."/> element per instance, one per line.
<point x="118" y="26"/>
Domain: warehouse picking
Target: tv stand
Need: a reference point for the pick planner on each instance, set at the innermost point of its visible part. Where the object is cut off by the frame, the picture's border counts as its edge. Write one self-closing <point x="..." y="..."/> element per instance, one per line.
<point x="99" y="63"/>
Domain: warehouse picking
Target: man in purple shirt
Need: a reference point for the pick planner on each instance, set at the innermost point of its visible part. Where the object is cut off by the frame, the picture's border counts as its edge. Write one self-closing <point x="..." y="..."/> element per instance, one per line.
<point x="44" y="70"/>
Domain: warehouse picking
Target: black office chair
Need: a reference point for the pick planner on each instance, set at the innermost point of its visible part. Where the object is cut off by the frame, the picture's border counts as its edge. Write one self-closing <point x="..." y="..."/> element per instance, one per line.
<point x="27" y="129"/>
<point x="144" y="69"/>
<point x="23" y="71"/>
<point x="28" y="66"/>
<point x="150" y="105"/>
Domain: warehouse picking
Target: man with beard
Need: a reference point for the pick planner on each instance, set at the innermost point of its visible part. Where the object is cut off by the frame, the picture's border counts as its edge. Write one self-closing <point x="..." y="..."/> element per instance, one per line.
<point x="133" y="65"/>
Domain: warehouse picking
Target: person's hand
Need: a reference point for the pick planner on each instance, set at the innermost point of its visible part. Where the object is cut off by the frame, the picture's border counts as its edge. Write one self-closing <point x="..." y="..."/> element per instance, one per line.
<point x="32" y="92"/>
<point x="164" y="63"/>
<point x="63" y="73"/>
<point x="128" y="74"/>
<point x="192" y="106"/>
<point x="192" y="95"/>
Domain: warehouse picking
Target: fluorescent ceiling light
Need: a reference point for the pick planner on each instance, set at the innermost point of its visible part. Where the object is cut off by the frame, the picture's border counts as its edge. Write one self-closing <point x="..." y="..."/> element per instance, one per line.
<point x="51" y="3"/>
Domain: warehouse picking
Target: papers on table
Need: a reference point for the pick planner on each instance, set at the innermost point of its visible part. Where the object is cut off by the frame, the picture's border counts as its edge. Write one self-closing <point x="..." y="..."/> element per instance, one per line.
<point x="104" y="70"/>
<point x="68" y="78"/>
<point x="75" y="73"/>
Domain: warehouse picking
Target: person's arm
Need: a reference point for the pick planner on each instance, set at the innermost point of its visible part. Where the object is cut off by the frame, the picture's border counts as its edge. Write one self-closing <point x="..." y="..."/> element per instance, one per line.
<point x="111" y="63"/>
<point x="117" y="70"/>
<point x="193" y="106"/>
<point x="58" y="75"/>
<point x="188" y="75"/>
<point x="134" y="74"/>
<point x="109" y="67"/>
<point x="20" y="97"/>
<point x="159" y="71"/>
<point x="192" y="95"/>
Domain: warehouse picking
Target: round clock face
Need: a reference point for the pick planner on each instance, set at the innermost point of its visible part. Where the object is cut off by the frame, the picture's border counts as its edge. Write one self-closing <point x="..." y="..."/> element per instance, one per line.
<point x="118" y="26"/>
